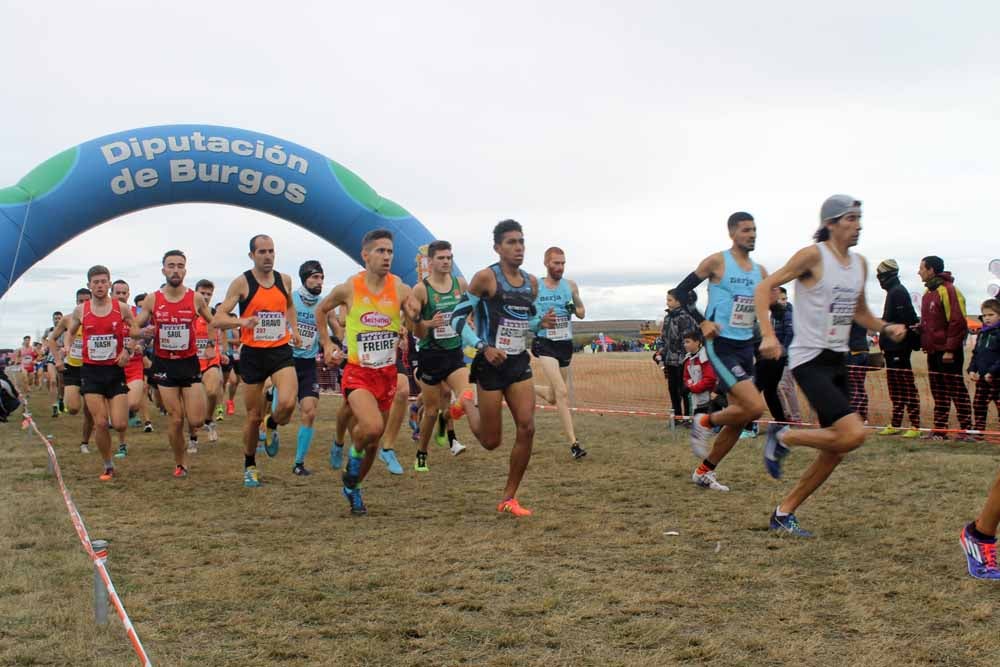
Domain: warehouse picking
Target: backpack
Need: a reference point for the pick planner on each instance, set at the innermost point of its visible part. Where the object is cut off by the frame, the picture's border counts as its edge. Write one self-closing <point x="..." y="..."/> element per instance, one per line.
<point x="9" y="402"/>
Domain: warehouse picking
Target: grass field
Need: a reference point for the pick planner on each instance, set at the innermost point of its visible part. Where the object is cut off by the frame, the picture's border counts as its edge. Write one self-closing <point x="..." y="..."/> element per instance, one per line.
<point x="215" y="574"/>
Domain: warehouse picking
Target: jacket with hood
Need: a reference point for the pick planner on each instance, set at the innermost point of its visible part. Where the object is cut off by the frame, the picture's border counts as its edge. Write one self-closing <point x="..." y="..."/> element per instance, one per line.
<point x="986" y="357"/>
<point x="898" y="310"/>
<point x="942" y="315"/>
<point x="676" y="323"/>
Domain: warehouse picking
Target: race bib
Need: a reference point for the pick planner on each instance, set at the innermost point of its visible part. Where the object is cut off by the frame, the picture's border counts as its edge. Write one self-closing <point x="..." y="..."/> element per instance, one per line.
<point x="377" y="349"/>
<point x="560" y="331"/>
<point x="744" y="313"/>
<point x="103" y="347"/>
<point x="838" y="324"/>
<point x="76" y="349"/>
<point x="445" y="331"/>
<point x="270" y="327"/>
<point x="510" y="335"/>
<point x="307" y="331"/>
<point x="202" y="345"/>
<point x="175" y="337"/>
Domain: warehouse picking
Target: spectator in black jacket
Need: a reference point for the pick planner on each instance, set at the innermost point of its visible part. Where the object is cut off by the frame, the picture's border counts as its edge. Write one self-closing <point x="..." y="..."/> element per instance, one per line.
<point x="781" y="320"/>
<point x="899" y="373"/>
<point x="677" y="322"/>
<point x="984" y="367"/>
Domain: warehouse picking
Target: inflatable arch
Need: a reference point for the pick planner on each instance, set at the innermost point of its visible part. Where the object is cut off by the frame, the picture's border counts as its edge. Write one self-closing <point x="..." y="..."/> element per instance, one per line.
<point x="117" y="174"/>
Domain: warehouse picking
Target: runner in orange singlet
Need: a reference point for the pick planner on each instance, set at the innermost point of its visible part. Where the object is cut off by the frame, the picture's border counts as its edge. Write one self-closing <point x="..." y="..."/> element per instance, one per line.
<point x="268" y="322"/>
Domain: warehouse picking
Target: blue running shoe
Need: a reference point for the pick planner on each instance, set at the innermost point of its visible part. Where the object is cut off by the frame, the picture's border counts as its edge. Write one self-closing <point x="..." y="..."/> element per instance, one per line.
<point x="788" y="525"/>
<point x="981" y="556"/>
<point x="388" y="457"/>
<point x="271" y="444"/>
<point x="352" y="475"/>
<point x="774" y="451"/>
<point x="251" y="479"/>
<point x="261" y="436"/>
<point x="336" y="456"/>
<point x="354" y="499"/>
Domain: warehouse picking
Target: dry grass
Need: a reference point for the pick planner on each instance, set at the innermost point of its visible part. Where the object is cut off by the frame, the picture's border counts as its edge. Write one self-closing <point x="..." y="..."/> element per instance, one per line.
<point x="215" y="574"/>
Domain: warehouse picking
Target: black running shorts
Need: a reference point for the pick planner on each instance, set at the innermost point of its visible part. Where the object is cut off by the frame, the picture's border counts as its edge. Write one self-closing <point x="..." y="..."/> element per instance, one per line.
<point x="560" y="350"/>
<point x="824" y="382"/>
<point x="514" y="369"/>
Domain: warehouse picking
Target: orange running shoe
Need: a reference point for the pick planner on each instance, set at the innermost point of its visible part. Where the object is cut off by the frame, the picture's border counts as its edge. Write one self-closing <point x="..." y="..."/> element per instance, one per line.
<point x="109" y="474"/>
<point x="180" y="471"/>
<point x="230" y="408"/>
<point x="513" y="507"/>
<point x="457" y="410"/>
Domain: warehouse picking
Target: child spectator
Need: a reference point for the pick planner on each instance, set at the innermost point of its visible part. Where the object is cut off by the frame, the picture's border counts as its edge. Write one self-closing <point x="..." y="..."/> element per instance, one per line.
<point x="699" y="376"/>
<point x="984" y="367"/>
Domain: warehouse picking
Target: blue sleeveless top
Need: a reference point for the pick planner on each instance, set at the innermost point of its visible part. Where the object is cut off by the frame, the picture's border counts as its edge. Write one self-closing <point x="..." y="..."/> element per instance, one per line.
<point x="556" y="300"/>
<point x="502" y="320"/>
<point x="730" y="303"/>
<point x="306" y="316"/>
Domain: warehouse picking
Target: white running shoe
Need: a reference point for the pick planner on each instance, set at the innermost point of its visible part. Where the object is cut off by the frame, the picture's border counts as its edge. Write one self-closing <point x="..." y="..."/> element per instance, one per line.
<point x="708" y="481"/>
<point x="192" y="447"/>
<point x="84" y="449"/>
<point x="457" y="448"/>
<point x="699" y="437"/>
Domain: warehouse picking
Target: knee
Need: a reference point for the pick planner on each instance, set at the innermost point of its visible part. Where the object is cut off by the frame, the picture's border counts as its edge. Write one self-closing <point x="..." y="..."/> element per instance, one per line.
<point x="754" y="408"/>
<point x="561" y="392"/>
<point x="368" y="432"/>
<point x="490" y="441"/>
<point x="526" y="430"/>
<point x="176" y="420"/>
<point x="852" y="438"/>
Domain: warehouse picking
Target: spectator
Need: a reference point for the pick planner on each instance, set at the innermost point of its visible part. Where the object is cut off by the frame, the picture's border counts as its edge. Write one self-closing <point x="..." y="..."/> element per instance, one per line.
<point x="857" y="369"/>
<point x="677" y="322"/>
<point x="899" y="373"/>
<point x="942" y="336"/>
<point x="781" y="320"/>
<point x="698" y="374"/>
<point x="984" y="367"/>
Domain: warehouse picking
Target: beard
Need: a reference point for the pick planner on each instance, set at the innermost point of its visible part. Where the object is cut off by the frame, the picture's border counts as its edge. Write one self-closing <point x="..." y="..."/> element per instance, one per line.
<point x="314" y="290"/>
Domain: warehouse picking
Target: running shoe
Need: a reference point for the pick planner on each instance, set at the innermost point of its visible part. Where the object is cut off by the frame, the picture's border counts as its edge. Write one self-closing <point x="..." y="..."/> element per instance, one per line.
<point x="413" y="421"/>
<point x="788" y="525"/>
<point x="107" y="475"/>
<point x="148" y="428"/>
<point x="441" y="434"/>
<point x="213" y="432"/>
<point x="707" y="480"/>
<point x="354" y="500"/>
<point x="251" y="478"/>
<point x="134" y="421"/>
<point x="84" y="449"/>
<point x="180" y="471"/>
<point x="774" y="450"/>
<point x="889" y="430"/>
<point x="441" y="440"/>
<point x="55" y="410"/>
<point x="352" y="476"/>
<point x="981" y="556"/>
<point x="457" y="448"/>
<point x="577" y="451"/>
<point x="700" y="433"/>
<point x="62" y="406"/>
<point x="388" y="457"/>
<point x="271" y="443"/>
<point x="220" y="413"/>
<point x="421" y="463"/>
<point x="122" y="451"/>
<point x="192" y="446"/>
<point x="911" y="433"/>
<point x="230" y="408"/>
<point x="511" y="506"/>
<point x="301" y="470"/>
<point x="336" y="456"/>
<point x="457" y="410"/>
<point x="261" y="436"/>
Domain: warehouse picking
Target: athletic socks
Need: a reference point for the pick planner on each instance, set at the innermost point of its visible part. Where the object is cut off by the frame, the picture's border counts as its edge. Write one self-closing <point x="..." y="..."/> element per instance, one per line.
<point x="442" y="424"/>
<point x="302" y="446"/>
<point x="271" y="424"/>
<point x="451" y="437"/>
<point x="355" y="454"/>
<point x="989" y="539"/>
<point x="779" y="513"/>
<point x="249" y="460"/>
<point x="705" y="467"/>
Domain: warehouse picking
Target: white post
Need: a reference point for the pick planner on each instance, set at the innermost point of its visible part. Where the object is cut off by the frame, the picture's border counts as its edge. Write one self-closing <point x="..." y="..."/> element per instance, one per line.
<point x="100" y="548"/>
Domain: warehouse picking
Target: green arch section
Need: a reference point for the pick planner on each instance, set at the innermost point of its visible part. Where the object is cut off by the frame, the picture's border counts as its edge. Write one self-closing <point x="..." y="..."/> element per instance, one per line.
<point x="42" y="179"/>
<point x="363" y="193"/>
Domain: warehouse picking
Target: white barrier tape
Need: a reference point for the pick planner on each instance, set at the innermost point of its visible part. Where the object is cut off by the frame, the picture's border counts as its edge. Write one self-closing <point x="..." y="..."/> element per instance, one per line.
<point x="97" y="558"/>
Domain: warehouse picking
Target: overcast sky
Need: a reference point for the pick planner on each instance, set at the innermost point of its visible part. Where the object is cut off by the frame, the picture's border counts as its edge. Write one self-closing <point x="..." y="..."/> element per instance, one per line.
<point x="623" y="132"/>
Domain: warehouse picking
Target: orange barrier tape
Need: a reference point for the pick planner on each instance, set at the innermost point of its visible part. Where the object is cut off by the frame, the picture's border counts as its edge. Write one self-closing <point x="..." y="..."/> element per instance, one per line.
<point x="97" y="557"/>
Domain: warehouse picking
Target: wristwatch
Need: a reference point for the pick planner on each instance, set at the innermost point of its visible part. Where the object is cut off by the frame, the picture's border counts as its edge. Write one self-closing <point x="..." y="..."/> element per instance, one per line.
<point x="480" y="346"/>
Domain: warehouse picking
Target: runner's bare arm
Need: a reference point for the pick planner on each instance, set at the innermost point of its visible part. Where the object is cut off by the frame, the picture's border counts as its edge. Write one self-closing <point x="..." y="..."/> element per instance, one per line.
<point x="291" y="314"/>
<point x="53" y="342"/>
<point x="802" y="263"/>
<point x="338" y="296"/>
<point x="222" y="319"/>
<point x="579" y="310"/>
<point x="419" y="296"/>
<point x="202" y="308"/>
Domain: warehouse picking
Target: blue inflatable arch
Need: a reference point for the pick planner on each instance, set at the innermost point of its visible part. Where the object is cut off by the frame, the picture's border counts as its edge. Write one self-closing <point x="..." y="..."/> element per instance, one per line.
<point x="117" y="174"/>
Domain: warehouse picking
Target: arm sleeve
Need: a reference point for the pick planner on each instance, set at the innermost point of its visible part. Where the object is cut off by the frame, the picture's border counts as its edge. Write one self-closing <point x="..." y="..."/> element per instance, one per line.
<point x="460" y="319"/>
<point x="683" y="291"/>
